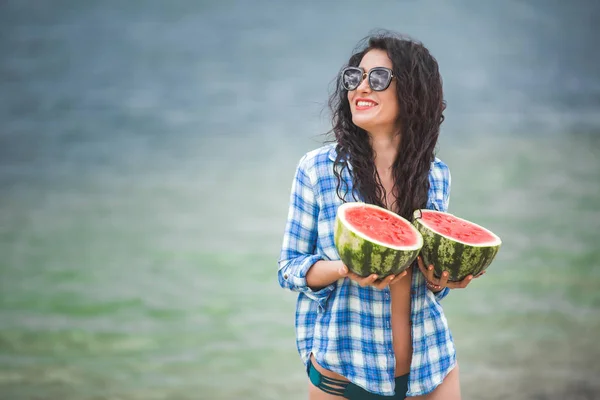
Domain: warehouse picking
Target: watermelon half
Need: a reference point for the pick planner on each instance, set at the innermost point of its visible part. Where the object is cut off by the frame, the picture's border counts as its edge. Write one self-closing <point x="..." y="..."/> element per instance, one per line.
<point x="454" y="244"/>
<point x="373" y="240"/>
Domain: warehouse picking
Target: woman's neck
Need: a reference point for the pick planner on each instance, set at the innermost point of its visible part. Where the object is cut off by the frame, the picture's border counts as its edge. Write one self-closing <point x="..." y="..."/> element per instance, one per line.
<point x="385" y="148"/>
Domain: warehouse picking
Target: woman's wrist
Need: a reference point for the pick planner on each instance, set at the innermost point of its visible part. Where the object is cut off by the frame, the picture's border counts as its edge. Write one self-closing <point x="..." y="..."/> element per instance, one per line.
<point x="433" y="287"/>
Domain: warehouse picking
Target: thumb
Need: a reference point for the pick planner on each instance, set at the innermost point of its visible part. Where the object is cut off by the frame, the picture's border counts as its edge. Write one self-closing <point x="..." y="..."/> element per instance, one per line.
<point x="343" y="270"/>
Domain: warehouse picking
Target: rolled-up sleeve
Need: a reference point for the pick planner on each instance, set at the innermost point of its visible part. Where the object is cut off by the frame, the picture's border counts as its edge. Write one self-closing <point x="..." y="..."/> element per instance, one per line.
<point x="441" y="294"/>
<point x="298" y="251"/>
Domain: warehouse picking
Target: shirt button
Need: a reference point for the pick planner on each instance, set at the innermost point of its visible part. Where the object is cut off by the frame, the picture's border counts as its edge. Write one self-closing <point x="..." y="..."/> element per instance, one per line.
<point x="387" y="324"/>
<point x="285" y="276"/>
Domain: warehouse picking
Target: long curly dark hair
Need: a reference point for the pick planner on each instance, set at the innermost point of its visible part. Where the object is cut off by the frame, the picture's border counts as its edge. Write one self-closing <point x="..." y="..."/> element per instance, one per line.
<point x="421" y="104"/>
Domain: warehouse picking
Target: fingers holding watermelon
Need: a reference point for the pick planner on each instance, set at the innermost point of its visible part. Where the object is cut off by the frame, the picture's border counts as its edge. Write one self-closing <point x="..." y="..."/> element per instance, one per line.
<point x="437" y="284"/>
<point x="373" y="279"/>
<point x="398" y="277"/>
<point x="370" y="280"/>
<point x="388" y="280"/>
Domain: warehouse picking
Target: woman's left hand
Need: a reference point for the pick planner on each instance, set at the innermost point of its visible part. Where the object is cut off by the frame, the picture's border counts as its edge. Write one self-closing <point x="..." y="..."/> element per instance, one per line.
<point x="437" y="284"/>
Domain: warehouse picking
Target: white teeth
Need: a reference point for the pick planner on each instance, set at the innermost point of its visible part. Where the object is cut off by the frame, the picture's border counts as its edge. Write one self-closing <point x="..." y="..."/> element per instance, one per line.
<point x="365" y="104"/>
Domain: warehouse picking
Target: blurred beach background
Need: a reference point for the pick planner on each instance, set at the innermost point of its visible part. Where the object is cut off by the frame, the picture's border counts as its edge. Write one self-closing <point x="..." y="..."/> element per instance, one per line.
<point x="147" y="150"/>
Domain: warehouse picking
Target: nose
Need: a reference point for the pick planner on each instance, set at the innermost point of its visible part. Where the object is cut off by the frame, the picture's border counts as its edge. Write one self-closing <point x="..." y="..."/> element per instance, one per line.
<point x="364" y="86"/>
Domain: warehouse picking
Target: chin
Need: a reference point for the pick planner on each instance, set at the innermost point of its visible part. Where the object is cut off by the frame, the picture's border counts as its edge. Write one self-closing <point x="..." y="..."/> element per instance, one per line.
<point x="363" y="123"/>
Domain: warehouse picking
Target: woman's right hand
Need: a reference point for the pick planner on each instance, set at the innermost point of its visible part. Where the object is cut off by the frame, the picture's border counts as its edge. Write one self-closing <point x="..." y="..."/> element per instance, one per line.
<point x="371" y="280"/>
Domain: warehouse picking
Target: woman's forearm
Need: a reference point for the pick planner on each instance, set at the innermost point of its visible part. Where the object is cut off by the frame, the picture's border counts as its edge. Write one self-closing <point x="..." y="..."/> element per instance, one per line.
<point x="324" y="273"/>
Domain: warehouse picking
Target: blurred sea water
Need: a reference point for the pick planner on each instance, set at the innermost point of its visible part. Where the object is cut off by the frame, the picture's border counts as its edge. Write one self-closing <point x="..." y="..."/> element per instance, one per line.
<point x="147" y="151"/>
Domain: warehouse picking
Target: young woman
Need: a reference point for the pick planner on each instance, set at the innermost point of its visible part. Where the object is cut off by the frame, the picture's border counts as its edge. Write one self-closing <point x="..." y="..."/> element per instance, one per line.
<point x="363" y="338"/>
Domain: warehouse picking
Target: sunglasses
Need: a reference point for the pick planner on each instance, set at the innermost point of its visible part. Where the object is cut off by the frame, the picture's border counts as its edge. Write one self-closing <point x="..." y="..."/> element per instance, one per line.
<point x="379" y="78"/>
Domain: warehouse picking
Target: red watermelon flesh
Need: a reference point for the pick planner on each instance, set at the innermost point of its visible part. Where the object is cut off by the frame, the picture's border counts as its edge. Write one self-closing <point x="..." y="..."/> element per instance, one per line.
<point x="457" y="228"/>
<point x="381" y="226"/>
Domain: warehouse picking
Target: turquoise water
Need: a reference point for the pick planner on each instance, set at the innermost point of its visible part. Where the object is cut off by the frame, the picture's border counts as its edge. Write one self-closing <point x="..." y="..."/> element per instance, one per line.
<point x="146" y="157"/>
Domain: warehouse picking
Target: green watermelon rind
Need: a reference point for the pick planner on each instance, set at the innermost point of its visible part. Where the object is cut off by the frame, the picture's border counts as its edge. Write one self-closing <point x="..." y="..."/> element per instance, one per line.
<point x="365" y="257"/>
<point x="457" y="258"/>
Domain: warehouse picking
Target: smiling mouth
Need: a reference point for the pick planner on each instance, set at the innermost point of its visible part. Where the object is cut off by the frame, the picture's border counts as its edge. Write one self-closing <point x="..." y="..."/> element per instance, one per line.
<point x="365" y="104"/>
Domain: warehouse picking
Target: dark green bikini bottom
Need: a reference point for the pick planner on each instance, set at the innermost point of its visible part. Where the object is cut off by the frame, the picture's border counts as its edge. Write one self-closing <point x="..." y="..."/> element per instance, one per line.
<point x="349" y="390"/>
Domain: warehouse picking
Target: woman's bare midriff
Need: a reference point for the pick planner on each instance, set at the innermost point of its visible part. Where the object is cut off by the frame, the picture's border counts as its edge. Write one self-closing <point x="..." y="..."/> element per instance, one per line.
<point x="401" y="329"/>
<point x="401" y="325"/>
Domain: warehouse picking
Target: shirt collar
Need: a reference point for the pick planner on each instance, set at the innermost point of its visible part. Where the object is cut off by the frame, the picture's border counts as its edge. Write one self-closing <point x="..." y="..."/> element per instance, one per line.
<point x="333" y="154"/>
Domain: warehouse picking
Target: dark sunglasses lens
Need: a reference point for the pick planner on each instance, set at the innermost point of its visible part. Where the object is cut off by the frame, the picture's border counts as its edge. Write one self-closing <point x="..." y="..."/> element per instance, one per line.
<point x="351" y="78"/>
<point x="379" y="79"/>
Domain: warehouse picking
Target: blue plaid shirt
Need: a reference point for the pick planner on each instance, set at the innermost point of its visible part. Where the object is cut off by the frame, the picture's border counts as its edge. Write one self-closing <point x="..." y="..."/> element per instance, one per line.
<point x="334" y="323"/>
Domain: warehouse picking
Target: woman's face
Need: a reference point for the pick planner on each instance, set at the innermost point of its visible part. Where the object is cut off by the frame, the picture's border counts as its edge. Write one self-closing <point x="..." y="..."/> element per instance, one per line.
<point x="375" y="112"/>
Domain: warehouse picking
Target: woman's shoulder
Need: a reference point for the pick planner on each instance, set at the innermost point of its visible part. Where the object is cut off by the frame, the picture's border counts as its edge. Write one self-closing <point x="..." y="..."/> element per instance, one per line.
<point x="318" y="157"/>
<point x="438" y="163"/>
<point x="439" y="168"/>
